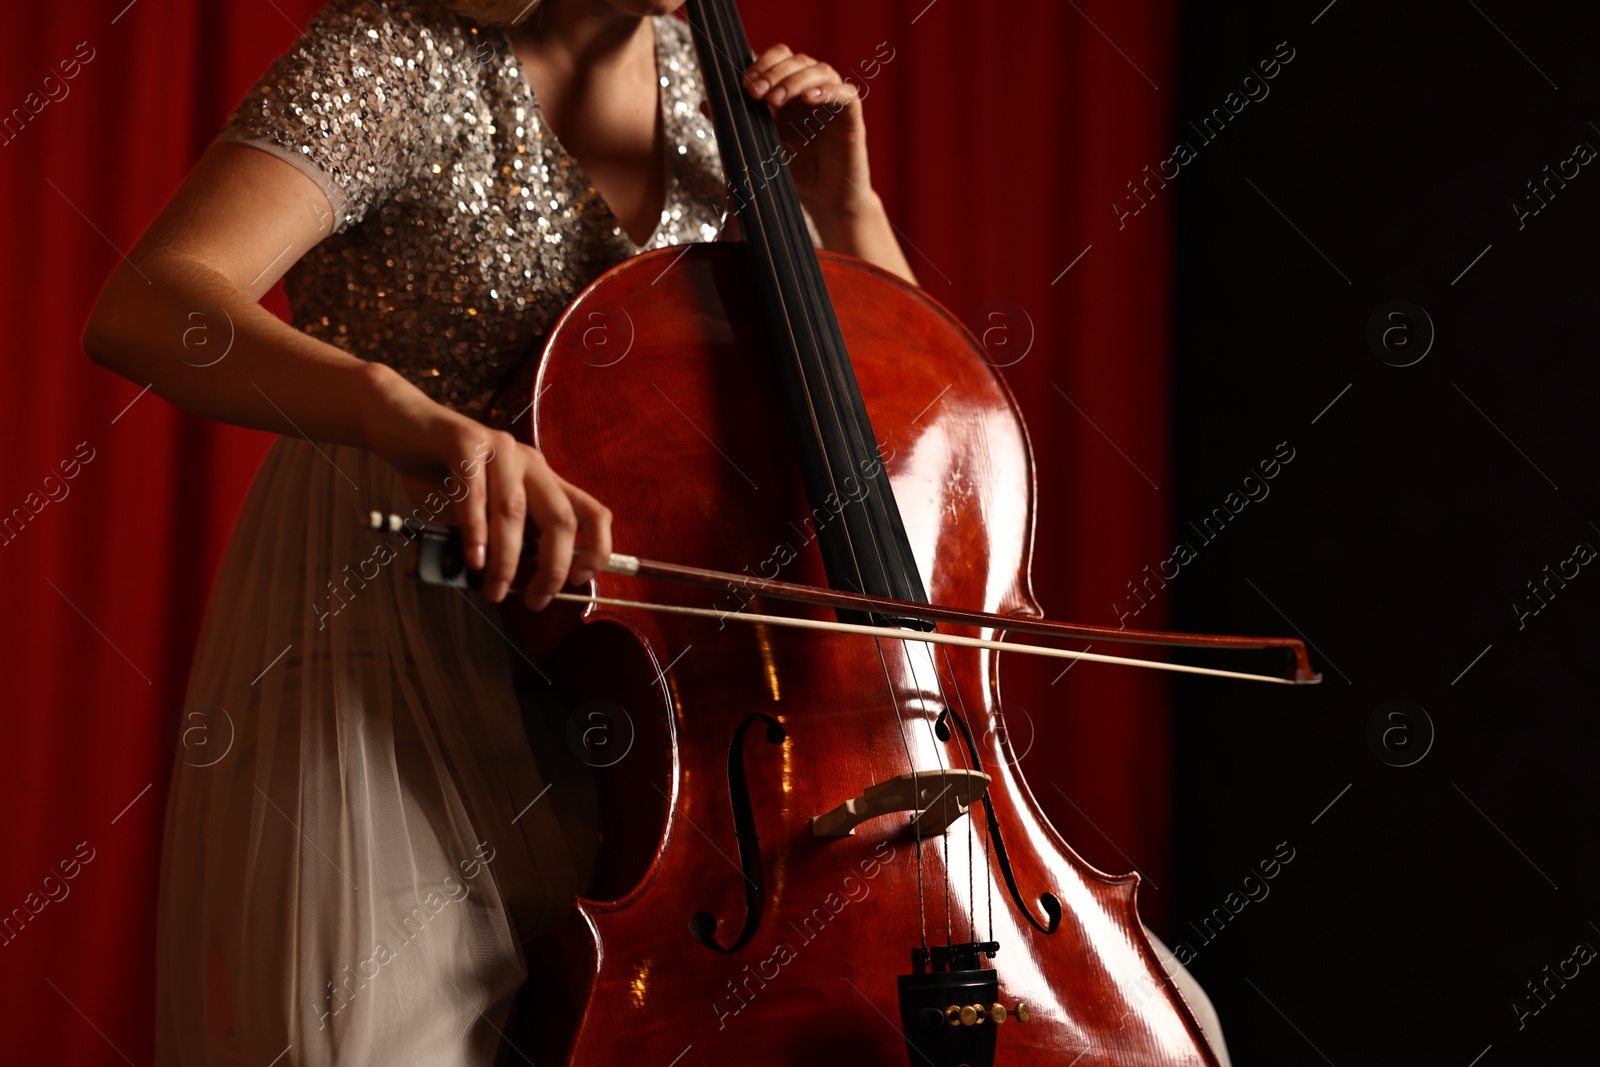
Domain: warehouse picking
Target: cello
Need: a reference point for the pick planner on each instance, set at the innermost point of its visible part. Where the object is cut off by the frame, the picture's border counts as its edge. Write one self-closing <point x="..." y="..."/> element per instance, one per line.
<point x="815" y="846"/>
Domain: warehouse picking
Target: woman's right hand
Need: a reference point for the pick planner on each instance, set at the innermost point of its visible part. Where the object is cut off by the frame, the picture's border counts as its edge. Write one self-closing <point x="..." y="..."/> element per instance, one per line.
<point x="437" y="451"/>
<point x="203" y="257"/>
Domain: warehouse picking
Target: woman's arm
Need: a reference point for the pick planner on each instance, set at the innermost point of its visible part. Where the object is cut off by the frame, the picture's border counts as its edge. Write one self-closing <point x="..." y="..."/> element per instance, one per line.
<point x="862" y="229"/>
<point x="165" y="317"/>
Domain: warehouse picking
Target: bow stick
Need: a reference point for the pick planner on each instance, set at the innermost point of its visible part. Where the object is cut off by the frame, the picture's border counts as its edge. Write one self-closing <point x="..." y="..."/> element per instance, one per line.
<point x="450" y="567"/>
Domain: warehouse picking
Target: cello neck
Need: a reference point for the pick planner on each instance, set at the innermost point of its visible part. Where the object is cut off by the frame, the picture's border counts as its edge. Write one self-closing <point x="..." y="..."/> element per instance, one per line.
<point x="866" y="550"/>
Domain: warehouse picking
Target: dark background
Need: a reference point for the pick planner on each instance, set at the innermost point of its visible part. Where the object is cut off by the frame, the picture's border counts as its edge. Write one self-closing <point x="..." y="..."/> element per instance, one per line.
<point x="1420" y="903"/>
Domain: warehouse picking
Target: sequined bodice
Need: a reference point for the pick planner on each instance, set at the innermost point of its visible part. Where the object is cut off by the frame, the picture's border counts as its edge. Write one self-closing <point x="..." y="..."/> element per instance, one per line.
<point x="461" y="227"/>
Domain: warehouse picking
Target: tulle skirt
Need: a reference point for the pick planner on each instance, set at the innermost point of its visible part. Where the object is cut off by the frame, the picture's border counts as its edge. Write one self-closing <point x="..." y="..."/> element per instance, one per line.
<point x="364" y="823"/>
<point x="358" y="837"/>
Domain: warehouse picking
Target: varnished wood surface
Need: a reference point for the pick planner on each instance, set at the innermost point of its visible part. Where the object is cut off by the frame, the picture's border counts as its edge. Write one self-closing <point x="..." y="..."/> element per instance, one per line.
<point x="672" y="420"/>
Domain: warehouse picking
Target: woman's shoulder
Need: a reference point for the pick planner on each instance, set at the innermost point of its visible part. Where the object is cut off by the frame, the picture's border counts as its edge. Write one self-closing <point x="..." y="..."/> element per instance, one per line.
<point x="390" y="40"/>
<point x="358" y="93"/>
<point x="386" y="41"/>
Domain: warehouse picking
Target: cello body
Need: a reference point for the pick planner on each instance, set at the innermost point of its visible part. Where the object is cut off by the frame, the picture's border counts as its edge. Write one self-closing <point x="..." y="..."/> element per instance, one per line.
<point x="719" y="927"/>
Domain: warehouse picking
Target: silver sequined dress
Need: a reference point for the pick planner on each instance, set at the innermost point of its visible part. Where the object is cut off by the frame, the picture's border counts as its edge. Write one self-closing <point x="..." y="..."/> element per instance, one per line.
<point x="357" y="833"/>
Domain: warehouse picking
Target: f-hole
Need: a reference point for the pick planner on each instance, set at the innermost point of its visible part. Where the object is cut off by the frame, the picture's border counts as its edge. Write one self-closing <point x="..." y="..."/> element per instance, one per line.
<point x="703" y="924"/>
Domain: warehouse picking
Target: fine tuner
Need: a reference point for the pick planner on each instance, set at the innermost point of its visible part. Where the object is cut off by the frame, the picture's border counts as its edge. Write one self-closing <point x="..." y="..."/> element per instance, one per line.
<point x="974" y="1015"/>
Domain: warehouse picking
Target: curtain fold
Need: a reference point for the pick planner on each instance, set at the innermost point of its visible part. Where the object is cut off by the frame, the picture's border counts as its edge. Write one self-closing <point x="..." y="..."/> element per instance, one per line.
<point x="1002" y="134"/>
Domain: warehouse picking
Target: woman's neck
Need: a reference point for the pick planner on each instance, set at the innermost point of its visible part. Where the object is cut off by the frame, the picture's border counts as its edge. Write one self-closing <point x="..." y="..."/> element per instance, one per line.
<point x="571" y="34"/>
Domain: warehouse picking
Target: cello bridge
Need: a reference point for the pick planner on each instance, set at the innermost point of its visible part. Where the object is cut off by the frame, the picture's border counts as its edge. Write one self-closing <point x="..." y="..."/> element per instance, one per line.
<point x="938" y="798"/>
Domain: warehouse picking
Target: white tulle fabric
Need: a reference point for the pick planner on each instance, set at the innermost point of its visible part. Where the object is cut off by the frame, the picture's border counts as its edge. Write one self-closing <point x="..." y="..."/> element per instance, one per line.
<point x="356" y="840"/>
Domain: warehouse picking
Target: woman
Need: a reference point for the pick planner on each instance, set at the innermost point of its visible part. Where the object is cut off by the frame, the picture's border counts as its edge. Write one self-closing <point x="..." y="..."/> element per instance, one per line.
<point x="353" y="879"/>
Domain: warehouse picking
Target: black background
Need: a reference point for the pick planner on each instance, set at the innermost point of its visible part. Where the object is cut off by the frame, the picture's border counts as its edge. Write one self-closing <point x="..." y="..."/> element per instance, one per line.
<point x="1420" y="903"/>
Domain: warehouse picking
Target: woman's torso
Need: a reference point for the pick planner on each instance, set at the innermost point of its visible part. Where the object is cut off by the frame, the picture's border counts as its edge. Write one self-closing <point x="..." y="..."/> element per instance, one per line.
<point x="455" y="279"/>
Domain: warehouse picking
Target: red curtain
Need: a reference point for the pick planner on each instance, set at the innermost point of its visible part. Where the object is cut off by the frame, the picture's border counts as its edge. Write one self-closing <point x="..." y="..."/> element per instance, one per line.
<point x="1001" y="134"/>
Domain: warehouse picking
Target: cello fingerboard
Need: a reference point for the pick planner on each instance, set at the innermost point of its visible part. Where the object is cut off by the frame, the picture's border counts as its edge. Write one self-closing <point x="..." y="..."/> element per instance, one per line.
<point x="839" y="454"/>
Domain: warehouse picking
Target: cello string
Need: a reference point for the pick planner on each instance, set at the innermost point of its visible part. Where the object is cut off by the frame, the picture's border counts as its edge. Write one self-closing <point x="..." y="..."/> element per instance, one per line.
<point x="988" y="869"/>
<point x="949" y="927"/>
<point x="806" y="270"/>
<point x="911" y="667"/>
<point x="745" y="135"/>
<point x="834" y="381"/>
<point x="972" y="934"/>
<point x="721" y="22"/>
<point x="804" y="273"/>
<point x="966" y="761"/>
<point x="916" y="787"/>
<point x="783" y="243"/>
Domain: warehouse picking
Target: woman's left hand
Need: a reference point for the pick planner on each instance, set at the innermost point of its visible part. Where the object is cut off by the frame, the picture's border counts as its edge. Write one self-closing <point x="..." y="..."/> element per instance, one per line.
<point x="820" y="120"/>
<point x="818" y="115"/>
